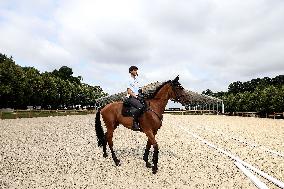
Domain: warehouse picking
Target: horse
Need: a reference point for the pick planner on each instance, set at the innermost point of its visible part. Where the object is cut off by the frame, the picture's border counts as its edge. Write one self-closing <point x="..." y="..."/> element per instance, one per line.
<point x="150" y="121"/>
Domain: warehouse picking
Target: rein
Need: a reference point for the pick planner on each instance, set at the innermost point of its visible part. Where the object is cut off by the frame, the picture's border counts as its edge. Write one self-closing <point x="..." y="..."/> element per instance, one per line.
<point x="149" y="109"/>
<point x="161" y="118"/>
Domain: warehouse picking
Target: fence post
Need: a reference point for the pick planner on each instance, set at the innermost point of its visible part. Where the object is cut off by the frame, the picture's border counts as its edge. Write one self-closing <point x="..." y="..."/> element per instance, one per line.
<point x="274" y="116"/>
<point x="217" y="108"/>
<point x="223" y="108"/>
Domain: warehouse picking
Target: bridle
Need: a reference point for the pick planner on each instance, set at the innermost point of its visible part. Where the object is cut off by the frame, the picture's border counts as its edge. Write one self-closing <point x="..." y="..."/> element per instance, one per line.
<point x="175" y="88"/>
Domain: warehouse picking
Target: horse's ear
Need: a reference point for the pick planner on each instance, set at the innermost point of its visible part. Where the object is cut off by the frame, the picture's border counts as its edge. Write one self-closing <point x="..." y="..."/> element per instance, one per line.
<point x="176" y="79"/>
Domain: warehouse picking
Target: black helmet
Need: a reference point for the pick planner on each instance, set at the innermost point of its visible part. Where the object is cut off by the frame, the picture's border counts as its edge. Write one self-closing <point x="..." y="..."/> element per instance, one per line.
<point x="131" y="68"/>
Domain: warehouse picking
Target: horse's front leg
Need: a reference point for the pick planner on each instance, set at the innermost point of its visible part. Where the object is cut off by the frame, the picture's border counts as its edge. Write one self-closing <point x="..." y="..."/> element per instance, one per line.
<point x="151" y="138"/>
<point x="146" y="154"/>
<point x="155" y="158"/>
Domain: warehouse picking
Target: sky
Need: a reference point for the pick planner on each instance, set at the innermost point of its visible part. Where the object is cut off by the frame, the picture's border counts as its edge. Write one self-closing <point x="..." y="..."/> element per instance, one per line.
<point x="208" y="43"/>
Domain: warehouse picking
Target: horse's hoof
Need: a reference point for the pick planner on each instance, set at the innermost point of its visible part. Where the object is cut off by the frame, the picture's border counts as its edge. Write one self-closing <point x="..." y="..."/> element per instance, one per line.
<point x="105" y="155"/>
<point x="148" y="165"/>
<point x="117" y="163"/>
<point x="154" y="170"/>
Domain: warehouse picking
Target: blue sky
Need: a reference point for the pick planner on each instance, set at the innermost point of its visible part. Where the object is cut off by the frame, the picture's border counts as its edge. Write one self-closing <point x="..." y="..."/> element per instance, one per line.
<point x="209" y="43"/>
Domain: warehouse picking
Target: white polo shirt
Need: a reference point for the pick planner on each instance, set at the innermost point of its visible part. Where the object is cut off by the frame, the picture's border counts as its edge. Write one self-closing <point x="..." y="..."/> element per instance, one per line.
<point x="133" y="84"/>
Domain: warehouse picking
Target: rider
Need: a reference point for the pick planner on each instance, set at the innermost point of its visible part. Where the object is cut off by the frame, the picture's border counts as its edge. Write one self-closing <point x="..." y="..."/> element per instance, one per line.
<point x="132" y="92"/>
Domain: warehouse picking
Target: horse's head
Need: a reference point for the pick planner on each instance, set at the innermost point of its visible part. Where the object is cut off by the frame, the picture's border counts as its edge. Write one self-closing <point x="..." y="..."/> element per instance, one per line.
<point x="171" y="89"/>
<point x="177" y="91"/>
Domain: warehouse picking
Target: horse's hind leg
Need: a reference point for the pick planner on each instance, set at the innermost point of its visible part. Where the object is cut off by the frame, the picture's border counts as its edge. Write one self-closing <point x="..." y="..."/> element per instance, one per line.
<point x="109" y="136"/>
<point x="104" y="145"/>
<point x="146" y="154"/>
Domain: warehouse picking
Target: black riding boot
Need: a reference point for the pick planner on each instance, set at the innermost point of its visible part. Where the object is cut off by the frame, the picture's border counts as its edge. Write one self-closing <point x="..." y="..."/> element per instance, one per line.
<point x="136" y="114"/>
<point x="135" y="126"/>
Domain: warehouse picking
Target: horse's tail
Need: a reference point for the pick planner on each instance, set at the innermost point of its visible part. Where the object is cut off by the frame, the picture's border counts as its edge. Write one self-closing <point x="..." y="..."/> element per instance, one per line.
<point x="99" y="130"/>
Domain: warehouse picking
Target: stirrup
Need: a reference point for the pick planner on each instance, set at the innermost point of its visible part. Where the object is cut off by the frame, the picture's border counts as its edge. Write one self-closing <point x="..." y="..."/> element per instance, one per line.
<point x="135" y="127"/>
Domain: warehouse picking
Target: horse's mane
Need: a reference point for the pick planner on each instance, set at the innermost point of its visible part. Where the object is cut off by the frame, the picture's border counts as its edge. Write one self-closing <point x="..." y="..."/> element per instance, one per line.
<point x="151" y="90"/>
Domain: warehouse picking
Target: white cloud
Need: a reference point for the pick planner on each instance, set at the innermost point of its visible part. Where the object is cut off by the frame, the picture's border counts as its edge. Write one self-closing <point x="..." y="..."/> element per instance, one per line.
<point x="208" y="43"/>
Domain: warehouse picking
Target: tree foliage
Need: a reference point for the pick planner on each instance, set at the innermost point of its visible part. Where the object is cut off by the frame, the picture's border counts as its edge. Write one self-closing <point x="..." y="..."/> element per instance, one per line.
<point x="263" y="95"/>
<point x="26" y="86"/>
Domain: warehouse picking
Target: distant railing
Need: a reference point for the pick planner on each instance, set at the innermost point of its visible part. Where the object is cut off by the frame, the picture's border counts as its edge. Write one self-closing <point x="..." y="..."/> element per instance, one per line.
<point x="190" y="112"/>
<point x="179" y="111"/>
<point x="276" y="115"/>
<point x="14" y="114"/>
<point x="246" y="114"/>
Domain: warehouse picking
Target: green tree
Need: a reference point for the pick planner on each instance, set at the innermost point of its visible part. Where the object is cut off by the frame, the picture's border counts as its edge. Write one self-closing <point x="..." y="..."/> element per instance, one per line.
<point x="279" y="99"/>
<point x="235" y="87"/>
<point x="33" y="86"/>
<point x="12" y="83"/>
<point x="208" y="92"/>
<point x="66" y="73"/>
<point x="48" y="90"/>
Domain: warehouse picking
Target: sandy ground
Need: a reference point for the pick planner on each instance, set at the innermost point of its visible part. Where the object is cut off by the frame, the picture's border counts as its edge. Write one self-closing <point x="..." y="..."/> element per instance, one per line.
<point x="62" y="152"/>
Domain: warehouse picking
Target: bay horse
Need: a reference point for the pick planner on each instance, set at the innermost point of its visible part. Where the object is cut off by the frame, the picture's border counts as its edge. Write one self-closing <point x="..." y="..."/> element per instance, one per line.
<point x="150" y="121"/>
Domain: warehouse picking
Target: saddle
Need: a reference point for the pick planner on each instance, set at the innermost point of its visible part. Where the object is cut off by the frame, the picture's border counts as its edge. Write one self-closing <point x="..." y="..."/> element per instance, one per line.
<point x="130" y="111"/>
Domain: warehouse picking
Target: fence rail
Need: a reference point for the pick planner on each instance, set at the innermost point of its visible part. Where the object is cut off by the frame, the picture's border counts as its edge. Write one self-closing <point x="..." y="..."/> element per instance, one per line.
<point x="275" y="115"/>
<point x="14" y="114"/>
<point x="191" y="112"/>
<point x="246" y="114"/>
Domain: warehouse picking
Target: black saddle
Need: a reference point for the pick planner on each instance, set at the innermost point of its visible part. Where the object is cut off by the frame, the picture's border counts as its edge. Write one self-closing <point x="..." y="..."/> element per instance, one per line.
<point x="130" y="111"/>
